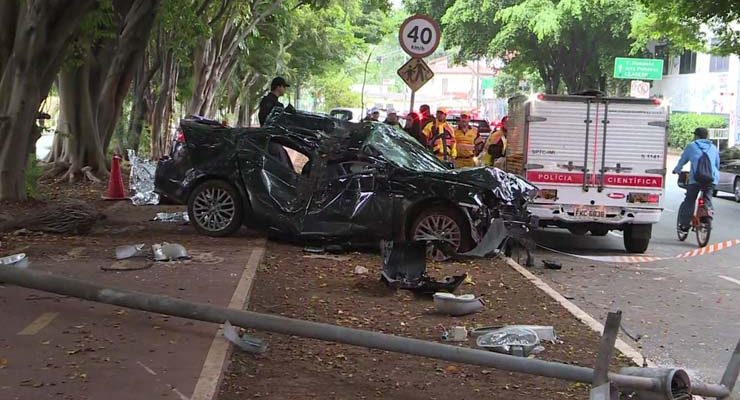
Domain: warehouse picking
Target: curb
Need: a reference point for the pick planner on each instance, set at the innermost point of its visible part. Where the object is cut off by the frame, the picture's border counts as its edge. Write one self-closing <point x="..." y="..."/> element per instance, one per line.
<point x="624" y="348"/>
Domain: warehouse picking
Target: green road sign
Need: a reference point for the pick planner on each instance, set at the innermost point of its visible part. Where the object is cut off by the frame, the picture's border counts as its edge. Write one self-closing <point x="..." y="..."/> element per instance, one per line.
<point x="638" y="68"/>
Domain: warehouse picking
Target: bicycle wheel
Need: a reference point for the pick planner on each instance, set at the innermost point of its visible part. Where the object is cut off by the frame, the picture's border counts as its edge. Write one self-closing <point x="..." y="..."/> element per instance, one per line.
<point x="703" y="232"/>
<point x="681" y="234"/>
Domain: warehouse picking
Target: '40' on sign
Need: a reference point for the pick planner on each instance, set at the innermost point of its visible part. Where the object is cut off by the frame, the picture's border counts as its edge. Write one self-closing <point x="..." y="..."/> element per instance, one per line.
<point x="415" y="73"/>
<point x="419" y="36"/>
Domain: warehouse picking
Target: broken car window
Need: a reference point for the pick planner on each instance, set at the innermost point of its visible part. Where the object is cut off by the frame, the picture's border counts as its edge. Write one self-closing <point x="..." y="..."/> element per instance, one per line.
<point x="291" y="158"/>
<point x="402" y="150"/>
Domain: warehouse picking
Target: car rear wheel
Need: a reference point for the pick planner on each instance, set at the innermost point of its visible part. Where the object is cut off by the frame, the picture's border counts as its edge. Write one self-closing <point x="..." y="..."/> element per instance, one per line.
<point x="215" y="208"/>
<point x="444" y="224"/>
<point x="736" y="190"/>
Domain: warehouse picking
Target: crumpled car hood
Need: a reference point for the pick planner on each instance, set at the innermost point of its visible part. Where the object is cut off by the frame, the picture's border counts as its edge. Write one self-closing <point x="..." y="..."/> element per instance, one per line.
<point x="506" y="187"/>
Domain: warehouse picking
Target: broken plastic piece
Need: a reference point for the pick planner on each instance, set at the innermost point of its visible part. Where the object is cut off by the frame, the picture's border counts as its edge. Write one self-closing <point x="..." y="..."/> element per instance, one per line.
<point x="543" y="332"/>
<point x="169" y="252"/>
<point x="245" y="342"/>
<point x="128" y="251"/>
<point x="404" y="267"/>
<point x="360" y="270"/>
<point x="514" y="341"/>
<point x="455" y="334"/>
<point x="552" y="264"/>
<point x="16" y="260"/>
<point x="447" y="303"/>
<point x="174" y="217"/>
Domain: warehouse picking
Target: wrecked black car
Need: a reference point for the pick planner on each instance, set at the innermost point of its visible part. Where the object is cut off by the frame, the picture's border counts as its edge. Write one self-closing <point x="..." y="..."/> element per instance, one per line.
<point x="322" y="180"/>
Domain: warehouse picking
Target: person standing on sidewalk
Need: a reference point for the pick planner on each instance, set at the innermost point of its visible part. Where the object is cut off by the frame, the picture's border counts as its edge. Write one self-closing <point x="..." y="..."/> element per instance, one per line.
<point x="465" y="139"/>
<point x="702" y="178"/>
<point x="495" y="146"/>
<point x="278" y="87"/>
<point x="440" y="137"/>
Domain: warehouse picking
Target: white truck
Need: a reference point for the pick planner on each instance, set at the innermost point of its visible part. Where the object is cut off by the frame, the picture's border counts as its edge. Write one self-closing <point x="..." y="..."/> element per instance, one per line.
<point x="600" y="162"/>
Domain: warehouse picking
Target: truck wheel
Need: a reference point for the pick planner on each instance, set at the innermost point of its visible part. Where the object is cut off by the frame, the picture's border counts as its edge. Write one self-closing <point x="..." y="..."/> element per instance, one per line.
<point x="599" y="231"/>
<point x="637" y="238"/>
<point x="215" y="208"/>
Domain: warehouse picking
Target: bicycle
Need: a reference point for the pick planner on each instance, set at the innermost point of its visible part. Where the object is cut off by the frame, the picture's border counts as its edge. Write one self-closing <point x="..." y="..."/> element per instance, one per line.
<point x="701" y="221"/>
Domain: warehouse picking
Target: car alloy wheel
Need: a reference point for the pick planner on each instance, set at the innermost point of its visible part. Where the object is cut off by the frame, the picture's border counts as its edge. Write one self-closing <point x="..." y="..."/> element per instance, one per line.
<point x="737" y="190"/>
<point x="214" y="209"/>
<point x="439" y="227"/>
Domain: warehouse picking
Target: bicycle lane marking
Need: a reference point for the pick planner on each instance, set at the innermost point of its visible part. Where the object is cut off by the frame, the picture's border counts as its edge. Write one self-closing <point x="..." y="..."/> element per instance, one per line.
<point x="713" y="248"/>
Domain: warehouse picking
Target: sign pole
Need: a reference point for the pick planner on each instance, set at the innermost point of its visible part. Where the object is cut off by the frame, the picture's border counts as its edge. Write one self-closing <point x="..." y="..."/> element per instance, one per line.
<point x="413" y="95"/>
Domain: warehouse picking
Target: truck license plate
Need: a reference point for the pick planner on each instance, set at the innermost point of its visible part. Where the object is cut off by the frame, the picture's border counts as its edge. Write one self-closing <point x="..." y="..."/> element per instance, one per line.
<point x="590" y="212"/>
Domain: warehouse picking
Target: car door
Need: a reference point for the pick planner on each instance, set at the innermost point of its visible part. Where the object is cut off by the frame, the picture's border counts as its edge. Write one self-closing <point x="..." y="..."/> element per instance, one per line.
<point x="280" y="189"/>
<point x="349" y="201"/>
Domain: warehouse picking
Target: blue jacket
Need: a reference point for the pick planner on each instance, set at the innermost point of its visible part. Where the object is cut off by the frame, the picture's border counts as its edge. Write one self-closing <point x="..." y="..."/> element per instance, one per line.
<point x="692" y="153"/>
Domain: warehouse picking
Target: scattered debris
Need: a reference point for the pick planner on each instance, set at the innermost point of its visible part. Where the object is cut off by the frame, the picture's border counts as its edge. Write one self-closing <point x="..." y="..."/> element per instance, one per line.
<point x="169" y="252"/>
<point x="128" y="251"/>
<point x="64" y="217"/>
<point x="245" y="342"/>
<point x="360" y="270"/>
<point x="142" y="180"/>
<point x="16" y="260"/>
<point x="328" y="257"/>
<point x="543" y="332"/>
<point x="404" y="267"/>
<point x="313" y="249"/>
<point x="127" y="265"/>
<point x="514" y="341"/>
<point x="549" y="264"/>
<point x="455" y="334"/>
<point x="448" y="303"/>
<point x="173" y="217"/>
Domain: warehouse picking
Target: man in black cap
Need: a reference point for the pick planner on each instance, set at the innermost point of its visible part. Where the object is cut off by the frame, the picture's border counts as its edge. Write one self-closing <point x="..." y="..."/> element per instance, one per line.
<point x="278" y="87"/>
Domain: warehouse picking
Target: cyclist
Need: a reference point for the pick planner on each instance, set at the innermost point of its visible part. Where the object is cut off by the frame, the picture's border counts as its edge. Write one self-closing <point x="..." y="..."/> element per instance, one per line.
<point x="693" y="153"/>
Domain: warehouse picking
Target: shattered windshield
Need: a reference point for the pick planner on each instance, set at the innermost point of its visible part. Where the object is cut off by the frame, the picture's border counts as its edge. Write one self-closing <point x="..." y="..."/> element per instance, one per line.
<point x="402" y="150"/>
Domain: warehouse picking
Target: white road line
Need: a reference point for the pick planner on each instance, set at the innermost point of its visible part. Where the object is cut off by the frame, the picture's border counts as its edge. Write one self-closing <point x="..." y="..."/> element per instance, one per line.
<point x="617" y="234"/>
<point x="147" y="369"/>
<point x="205" y="388"/>
<point x="37" y="325"/>
<point x="727" y="278"/>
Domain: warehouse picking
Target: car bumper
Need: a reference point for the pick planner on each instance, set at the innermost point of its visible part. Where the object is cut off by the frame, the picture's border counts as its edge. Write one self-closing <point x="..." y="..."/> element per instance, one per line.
<point x="557" y="214"/>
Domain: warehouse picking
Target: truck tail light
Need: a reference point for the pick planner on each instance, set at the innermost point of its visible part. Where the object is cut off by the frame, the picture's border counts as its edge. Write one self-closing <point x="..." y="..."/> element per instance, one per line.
<point x="701" y="202"/>
<point x="650" y="198"/>
<point x="547" y="194"/>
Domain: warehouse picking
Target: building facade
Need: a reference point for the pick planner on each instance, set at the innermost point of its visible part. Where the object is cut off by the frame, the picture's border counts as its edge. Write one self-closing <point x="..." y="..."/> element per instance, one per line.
<point x="702" y="83"/>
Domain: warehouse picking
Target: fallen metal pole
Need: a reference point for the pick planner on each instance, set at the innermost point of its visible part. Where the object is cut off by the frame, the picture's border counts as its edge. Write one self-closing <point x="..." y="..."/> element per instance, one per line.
<point x="332" y="333"/>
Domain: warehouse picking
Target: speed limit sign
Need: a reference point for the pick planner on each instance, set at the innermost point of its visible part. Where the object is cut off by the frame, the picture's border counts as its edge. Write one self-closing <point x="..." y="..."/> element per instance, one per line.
<point x="419" y="35"/>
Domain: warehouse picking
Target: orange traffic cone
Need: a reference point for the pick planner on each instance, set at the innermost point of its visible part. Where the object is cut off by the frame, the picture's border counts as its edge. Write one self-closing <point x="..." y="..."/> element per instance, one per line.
<point x="115" y="183"/>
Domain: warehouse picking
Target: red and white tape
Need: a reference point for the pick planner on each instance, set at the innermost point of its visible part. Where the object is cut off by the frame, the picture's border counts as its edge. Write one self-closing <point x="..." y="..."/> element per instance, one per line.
<point x="712" y="248"/>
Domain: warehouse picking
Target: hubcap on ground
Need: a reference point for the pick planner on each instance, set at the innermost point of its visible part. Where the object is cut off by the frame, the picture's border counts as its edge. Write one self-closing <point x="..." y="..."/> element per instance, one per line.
<point x="439" y="227"/>
<point x="214" y="209"/>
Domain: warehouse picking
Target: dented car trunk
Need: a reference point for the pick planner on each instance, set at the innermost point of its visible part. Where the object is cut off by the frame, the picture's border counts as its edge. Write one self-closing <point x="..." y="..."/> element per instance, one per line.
<point x="323" y="180"/>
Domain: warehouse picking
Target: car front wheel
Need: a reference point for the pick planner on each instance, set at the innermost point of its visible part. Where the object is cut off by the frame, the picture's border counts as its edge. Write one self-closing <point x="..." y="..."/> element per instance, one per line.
<point x="215" y="208"/>
<point x="443" y="224"/>
<point x="736" y="190"/>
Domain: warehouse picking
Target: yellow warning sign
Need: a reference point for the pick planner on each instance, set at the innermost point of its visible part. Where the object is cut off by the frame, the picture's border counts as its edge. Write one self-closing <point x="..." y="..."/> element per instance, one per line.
<point x="415" y="73"/>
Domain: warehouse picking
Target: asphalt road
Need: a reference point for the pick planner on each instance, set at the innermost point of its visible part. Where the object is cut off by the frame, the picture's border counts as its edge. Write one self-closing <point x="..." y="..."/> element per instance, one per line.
<point x="683" y="312"/>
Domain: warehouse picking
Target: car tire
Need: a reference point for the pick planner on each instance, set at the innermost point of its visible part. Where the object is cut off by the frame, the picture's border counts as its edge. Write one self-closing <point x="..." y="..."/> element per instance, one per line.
<point x="599" y="231"/>
<point x="637" y="238"/>
<point x="439" y="217"/>
<point x="736" y="189"/>
<point x="203" y="215"/>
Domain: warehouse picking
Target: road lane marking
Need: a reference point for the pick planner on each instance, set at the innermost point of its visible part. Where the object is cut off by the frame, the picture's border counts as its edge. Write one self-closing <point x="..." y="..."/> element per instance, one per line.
<point x="713" y="248"/>
<point x="727" y="278"/>
<point x="210" y="375"/>
<point x="147" y="369"/>
<point x="39" y="324"/>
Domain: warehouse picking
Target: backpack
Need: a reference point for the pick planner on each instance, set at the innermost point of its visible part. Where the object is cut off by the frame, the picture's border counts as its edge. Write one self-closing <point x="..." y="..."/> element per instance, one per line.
<point x="703" y="174"/>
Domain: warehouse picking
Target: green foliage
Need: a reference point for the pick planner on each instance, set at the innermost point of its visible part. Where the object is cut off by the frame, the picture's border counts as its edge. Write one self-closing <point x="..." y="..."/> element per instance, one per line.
<point x="681" y="22"/>
<point x="733" y="153"/>
<point x="682" y="125"/>
<point x="506" y="85"/>
<point x="570" y="41"/>
<point x="334" y="89"/>
<point x="33" y="173"/>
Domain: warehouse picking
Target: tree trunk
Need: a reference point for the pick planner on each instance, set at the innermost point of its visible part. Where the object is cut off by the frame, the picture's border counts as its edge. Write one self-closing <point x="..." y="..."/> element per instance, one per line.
<point x="163" y="106"/>
<point x="32" y="49"/>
